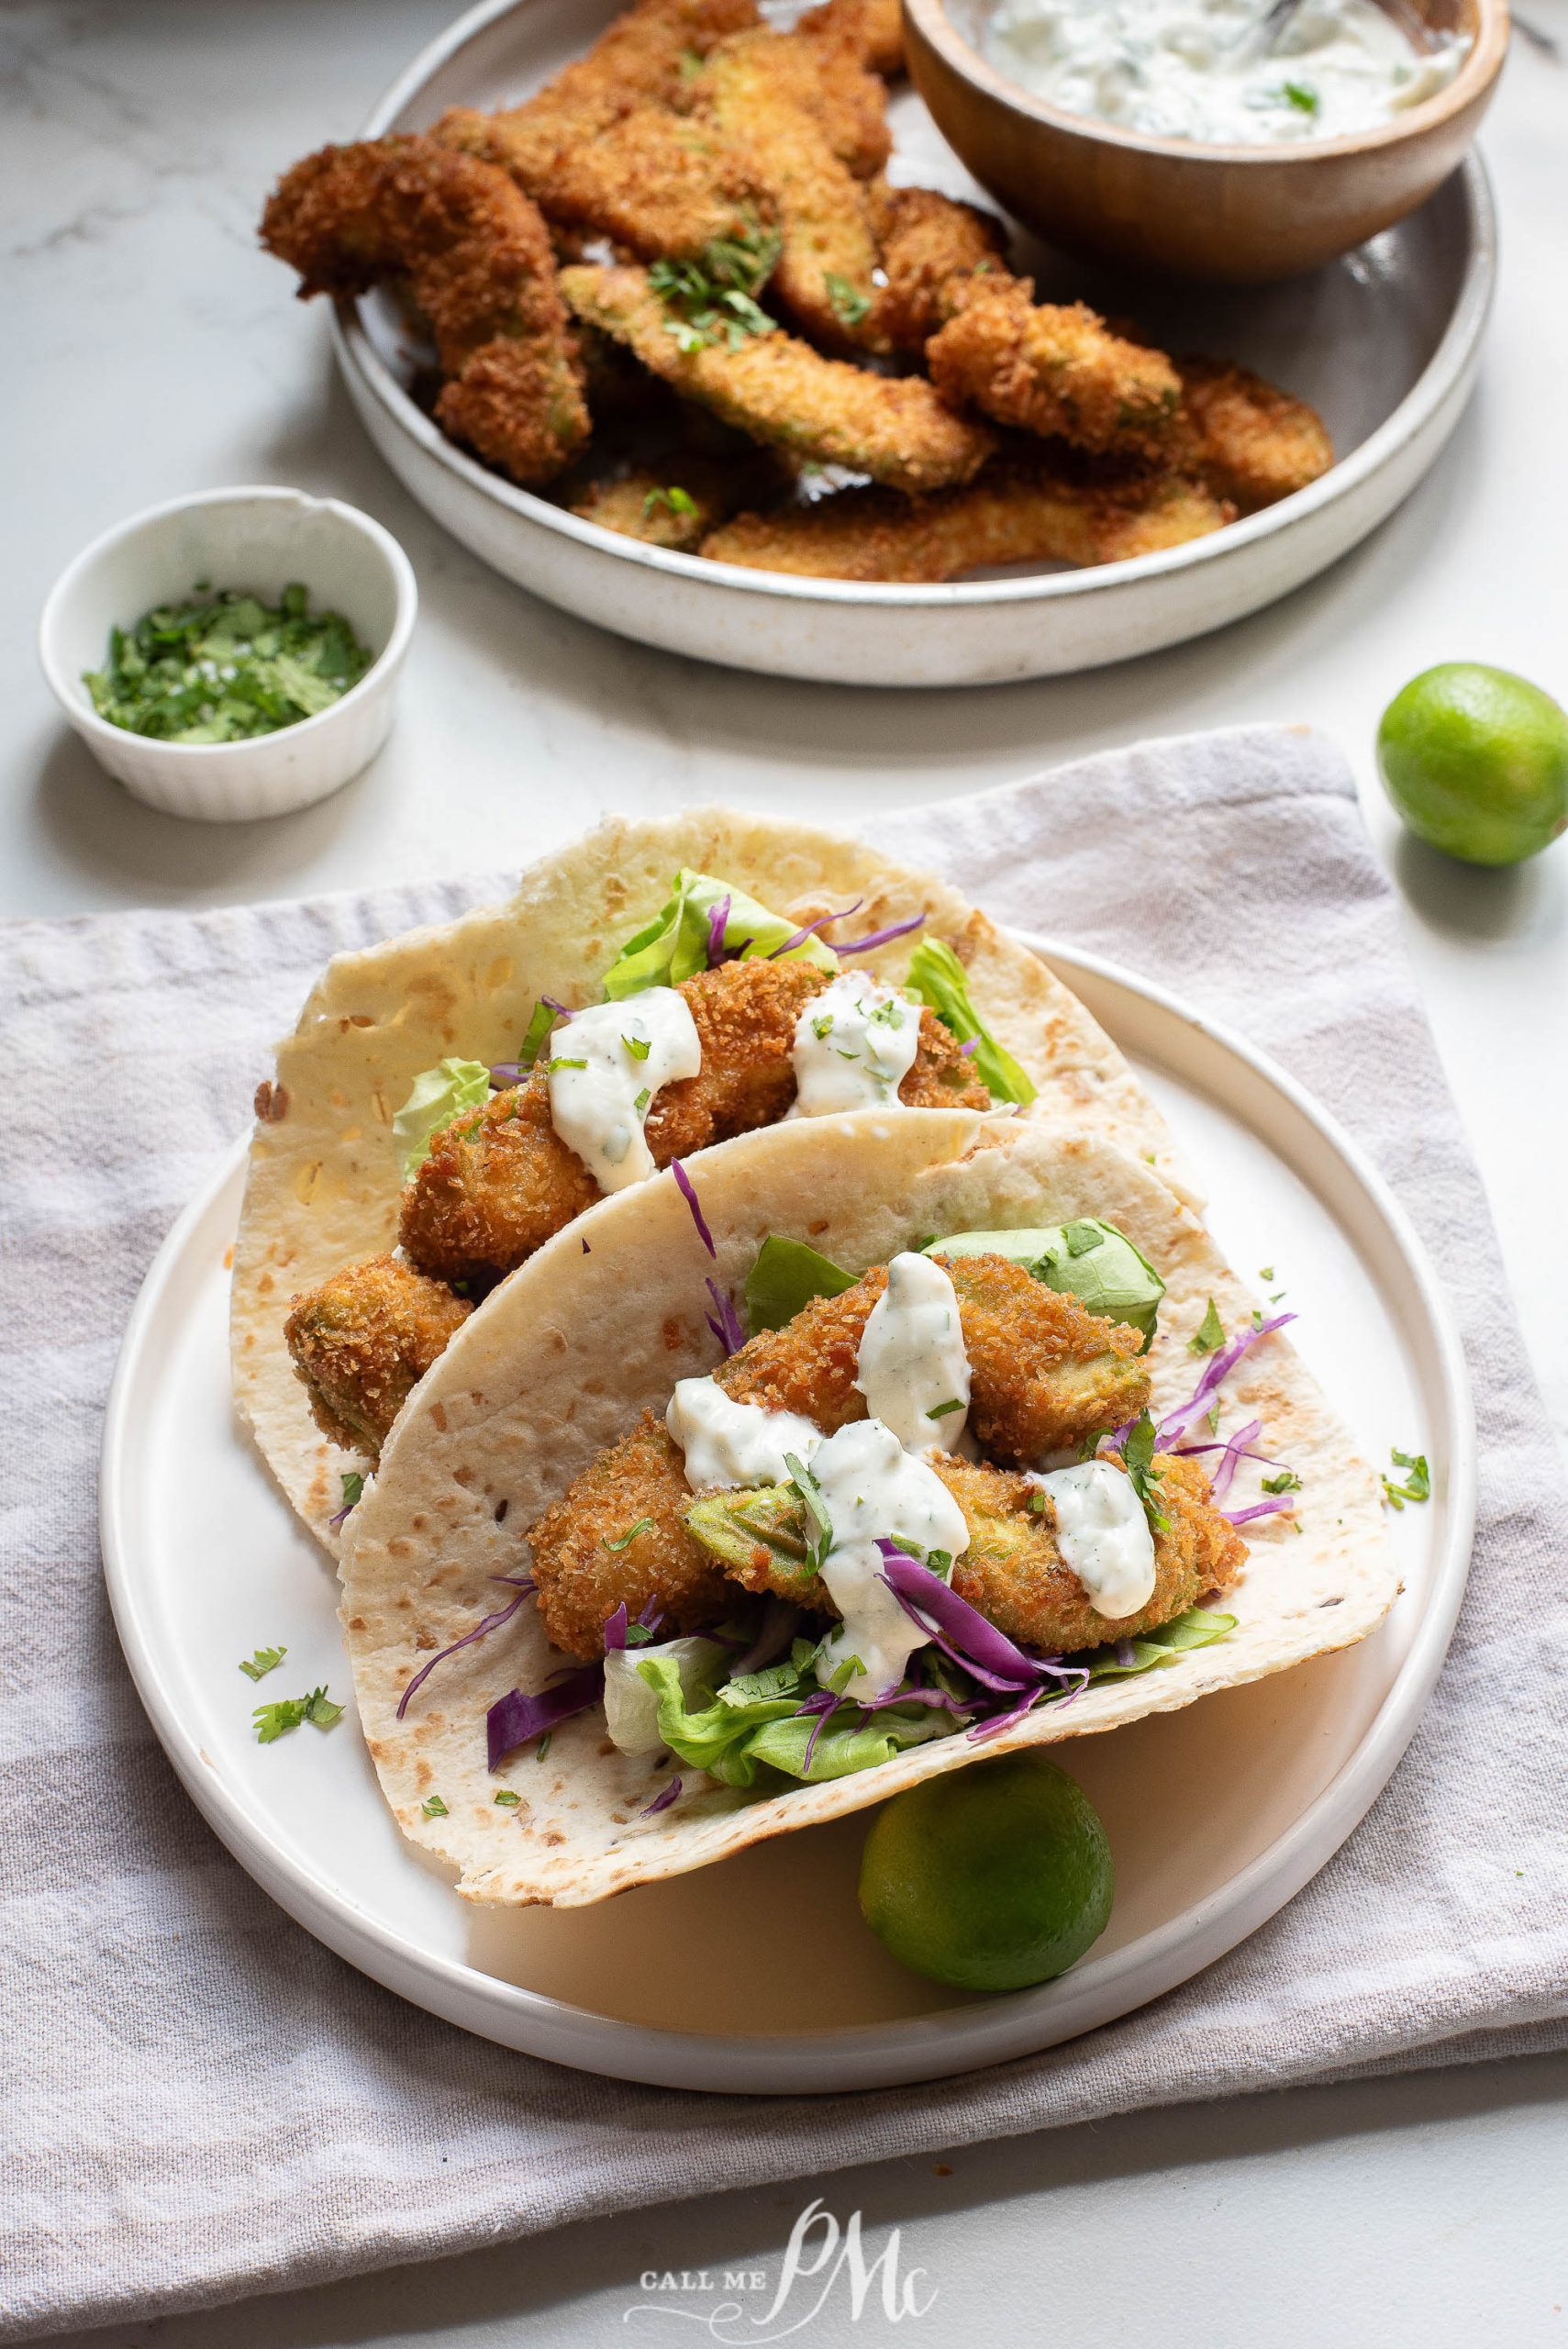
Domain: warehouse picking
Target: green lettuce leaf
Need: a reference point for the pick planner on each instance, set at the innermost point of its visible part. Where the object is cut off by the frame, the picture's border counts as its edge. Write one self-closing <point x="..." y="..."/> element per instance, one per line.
<point x="735" y="1738"/>
<point x="937" y="977"/>
<point x="1195" y="1629"/>
<point x="675" y="945"/>
<point x="1090" y="1260"/>
<point x="786" y="1277"/>
<point x="437" y="1096"/>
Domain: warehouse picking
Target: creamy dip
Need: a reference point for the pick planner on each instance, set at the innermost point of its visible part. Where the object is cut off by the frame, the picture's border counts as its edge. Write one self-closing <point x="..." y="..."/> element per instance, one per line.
<point x="605" y="1065"/>
<point x="1102" y="1532"/>
<point x="729" y="1444"/>
<point x="871" y="1487"/>
<point x="1186" y="69"/>
<point x="854" y="1044"/>
<point x="912" y="1367"/>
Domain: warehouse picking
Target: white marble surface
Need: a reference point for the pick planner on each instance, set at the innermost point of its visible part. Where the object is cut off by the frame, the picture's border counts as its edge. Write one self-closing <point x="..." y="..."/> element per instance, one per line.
<point x="153" y="348"/>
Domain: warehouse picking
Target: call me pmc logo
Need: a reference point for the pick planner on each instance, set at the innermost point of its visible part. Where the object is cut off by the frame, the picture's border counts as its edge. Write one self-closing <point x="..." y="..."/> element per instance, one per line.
<point x="820" y="2259"/>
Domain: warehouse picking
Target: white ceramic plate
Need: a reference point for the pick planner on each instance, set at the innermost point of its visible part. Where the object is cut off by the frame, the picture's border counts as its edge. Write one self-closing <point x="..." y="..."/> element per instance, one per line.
<point x="1216" y="1815"/>
<point x="1383" y="344"/>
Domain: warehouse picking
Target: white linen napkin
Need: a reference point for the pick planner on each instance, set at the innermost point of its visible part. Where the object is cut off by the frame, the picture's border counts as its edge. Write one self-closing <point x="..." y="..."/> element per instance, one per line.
<point x="203" y="2102"/>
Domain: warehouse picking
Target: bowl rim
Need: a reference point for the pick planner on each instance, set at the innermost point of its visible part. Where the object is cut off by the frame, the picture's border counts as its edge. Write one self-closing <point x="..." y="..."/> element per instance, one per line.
<point x="78" y="707"/>
<point x="1470" y="85"/>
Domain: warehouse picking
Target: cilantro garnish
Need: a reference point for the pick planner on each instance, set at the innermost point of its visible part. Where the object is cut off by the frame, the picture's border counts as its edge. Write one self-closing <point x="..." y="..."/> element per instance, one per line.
<point x="712" y="297"/>
<point x="1138" y="1453"/>
<point x="638" y="1635"/>
<point x="223" y="668"/>
<point x="507" y="1798"/>
<point x="552" y="1065"/>
<point x="938" y="1561"/>
<point x="637" y="1046"/>
<point x="432" y="1808"/>
<point x="678" y="500"/>
<point x="1209" y="1336"/>
<point x="819" y="1525"/>
<point x="540" y="1022"/>
<point x="1302" y="97"/>
<point x="642" y="1100"/>
<point x="822" y="1026"/>
<point x="1092" y="1442"/>
<point x="265" y="1660"/>
<point x="353" y="1483"/>
<point x="940" y="1411"/>
<point x="1265" y="1272"/>
<point x="544" y="1745"/>
<point x="1037" y="1504"/>
<point x="625" y="1541"/>
<point x="1287" y="1481"/>
<point x="850" y="304"/>
<point x="1419" y="1484"/>
<point x="273" y="1721"/>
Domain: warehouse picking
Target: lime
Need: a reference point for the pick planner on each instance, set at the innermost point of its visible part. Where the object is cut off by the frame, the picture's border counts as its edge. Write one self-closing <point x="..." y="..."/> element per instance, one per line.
<point x="1476" y="762"/>
<point x="991" y="1877"/>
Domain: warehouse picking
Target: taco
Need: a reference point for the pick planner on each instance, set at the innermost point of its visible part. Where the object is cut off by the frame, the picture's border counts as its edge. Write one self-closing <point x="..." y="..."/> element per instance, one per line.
<point x="454" y="1098"/>
<point x="855" y="1451"/>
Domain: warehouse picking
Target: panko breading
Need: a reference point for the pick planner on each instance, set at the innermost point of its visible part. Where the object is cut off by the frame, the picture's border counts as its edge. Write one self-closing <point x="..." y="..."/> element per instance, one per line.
<point x="780" y="390"/>
<point x="477" y="259"/>
<point x="362" y="1342"/>
<point x="1012" y="1570"/>
<point x="678" y="503"/>
<point x="637" y="60"/>
<point x="496" y="1184"/>
<point x="872" y="30"/>
<point x="930" y="246"/>
<point x="653" y="183"/>
<point x="1047" y="368"/>
<point x="1015" y="512"/>
<point x="582" y="1579"/>
<point x="1045" y="1372"/>
<point x="1250" y="442"/>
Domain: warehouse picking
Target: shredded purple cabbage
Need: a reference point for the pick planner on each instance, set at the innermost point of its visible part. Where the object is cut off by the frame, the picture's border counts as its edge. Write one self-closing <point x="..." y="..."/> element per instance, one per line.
<point x="824" y="1704"/>
<point x="1217" y="1369"/>
<point x="881" y="937"/>
<point x="341" y="1516"/>
<point x="1259" y="1509"/>
<point x="1125" y="1654"/>
<point x="687" y="1189"/>
<point x="515" y="1718"/>
<point x="718" y="923"/>
<point x="799" y="937"/>
<point x="972" y="1046"/>
<point x="652" y="1614"/>
<point x="723" y="1321"/>
<point x="524" y="1586"/>
<point x="1224" y="1475"/>
<point x="663" y="1800"/>
<point x="959" y="1629"/>
<point x="616" y="1630"/>
<point x="506" y="1072"/>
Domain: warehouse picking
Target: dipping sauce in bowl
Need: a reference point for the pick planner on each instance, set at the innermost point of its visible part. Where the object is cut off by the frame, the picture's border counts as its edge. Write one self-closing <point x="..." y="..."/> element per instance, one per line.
<point x="1190" y="69"/>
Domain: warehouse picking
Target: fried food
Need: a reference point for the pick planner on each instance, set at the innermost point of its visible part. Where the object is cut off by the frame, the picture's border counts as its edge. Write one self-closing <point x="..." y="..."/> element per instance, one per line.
<point x="1045" y="1372"/>
<point x="781" y="391"/>
<point x="1015" y="512"/>
<point x="1050" y="369"/>
<point x="582" y="1579"/>
<point x="477" y="259"/>
<point x="1012" y="1571"/>
<point x="497" y="1183"/>
<point x="1251" y="442"/>
<point x="362" y="1342"/>
<point x="677" y="503"/>
<point x="873" y="31"/>
<point x="652" y="182"/>
<point x="930" y="246"/>
<point x="639" y="61"/>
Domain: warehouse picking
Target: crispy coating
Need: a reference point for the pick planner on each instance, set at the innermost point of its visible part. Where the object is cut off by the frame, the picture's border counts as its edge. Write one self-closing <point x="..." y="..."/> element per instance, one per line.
<point x="1013" y="1571"/>
<point x="745" y="1014"/>
<point x="653" y="183"/>
<point x="809" y="122"/>
<point x="1017" y="511"/>
<point x="930" y="246"/>
<point x="1048" y="368"/>
<point x="678" y="503"/>
<point x="872" y="30"/>
<point x="639" y="60"/>
<point x="362" y="1342"/>
<point x="1045" y="1372"/>
<point x="582" y="1581"/>
<point x="477" y="259"/>
<point x="1251" y="442"/>
<point x="781" y="391"/>
<point x="498" y="1183"/>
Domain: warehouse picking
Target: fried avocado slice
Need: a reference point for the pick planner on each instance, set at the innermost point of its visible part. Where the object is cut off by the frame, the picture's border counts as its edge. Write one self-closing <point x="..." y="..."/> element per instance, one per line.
<point x="476" y="258"/>
<point x="930" y="245"/>
<point x="780" y="391"/>
<point x="1053" y="368"/>
<point x="1012" y="1571"/>
<point x="361" y="1342"/>
<point x="1251" y="442"/>
<point x="617" y="1534"/>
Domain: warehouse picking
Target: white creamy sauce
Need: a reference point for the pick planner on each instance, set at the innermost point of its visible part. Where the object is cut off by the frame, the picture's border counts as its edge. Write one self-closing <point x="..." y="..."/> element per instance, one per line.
<point x="1102" y="1532"/>
<point x="873" y="1487"/>
<point x="854" y="1044"/>
<point x="1186" y="69"/>
<point x="727" y="1443"/>
<point x="912" y="1367"/>
<point x="628" y="1050"/>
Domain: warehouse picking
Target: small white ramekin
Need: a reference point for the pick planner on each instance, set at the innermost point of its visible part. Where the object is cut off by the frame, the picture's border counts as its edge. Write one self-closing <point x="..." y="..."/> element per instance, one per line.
<point x="257" y="540"/>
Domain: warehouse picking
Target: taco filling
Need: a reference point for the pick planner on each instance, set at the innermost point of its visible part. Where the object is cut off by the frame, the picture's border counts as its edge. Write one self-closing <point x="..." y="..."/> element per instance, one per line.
<point x="940" y="1480"/>
<point x="717" y="1019"/>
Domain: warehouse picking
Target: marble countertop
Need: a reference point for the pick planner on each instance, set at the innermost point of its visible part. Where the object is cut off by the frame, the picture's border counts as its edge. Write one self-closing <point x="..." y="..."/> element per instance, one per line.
<point x="155" y="351"/>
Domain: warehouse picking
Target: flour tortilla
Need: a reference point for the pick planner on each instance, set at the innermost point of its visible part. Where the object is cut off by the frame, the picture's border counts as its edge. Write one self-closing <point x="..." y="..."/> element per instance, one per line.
<point x="562" y="1361"/>
<point x="323" y="1185"/>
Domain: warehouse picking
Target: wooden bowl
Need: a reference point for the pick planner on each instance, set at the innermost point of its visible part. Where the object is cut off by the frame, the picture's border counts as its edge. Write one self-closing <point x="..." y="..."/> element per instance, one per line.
<point x="1229" y="215"/>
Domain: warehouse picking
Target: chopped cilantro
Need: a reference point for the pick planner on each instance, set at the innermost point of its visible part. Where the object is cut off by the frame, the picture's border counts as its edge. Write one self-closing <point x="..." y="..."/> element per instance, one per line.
<point x="507" y="1798"/>
<point x="822" y="1026"/>
<point x="1036" y="1501"/>
<point x="940" y="1411"/>
<point x="819" y="1524"/>
<point x="273" y="1721"/>
<point x="624" y="1540"/>
<point x="1138" y="1455"/>
<point x="678" y="500"/>
<point x="1287" y="1481"/>
<point x="1419" y="1484"/>
<point x="540" y="1022"/>
<point x="1265" y="1272"/>
<point x="1092" y="1442"/>
<point x="637" y="1046"/>
<point x="638" y="1635"/>
<point x="265" y="1660"/>
<point x="938" y="1561"/>
<point x="544" y="1745"/>
<point x="713" y="297"/>
<point x="224" y="668"/>
<point x="552" y="1065"/>
<point x="432" y="1808"/>
<point x="1209" y="1335"/>
<point x="642" y="1100"/>
<point x="850" y="304"/>
<point x="1302" y="97"/>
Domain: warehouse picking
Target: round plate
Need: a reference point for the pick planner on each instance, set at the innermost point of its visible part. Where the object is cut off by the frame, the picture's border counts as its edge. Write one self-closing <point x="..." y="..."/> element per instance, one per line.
<point x="1216" y="1815"/>
<point x="1383" y="344"/>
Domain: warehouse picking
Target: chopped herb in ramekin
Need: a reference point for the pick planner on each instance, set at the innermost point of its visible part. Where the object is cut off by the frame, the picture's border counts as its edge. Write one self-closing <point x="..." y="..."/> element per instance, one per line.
<point x="223" y="667"/>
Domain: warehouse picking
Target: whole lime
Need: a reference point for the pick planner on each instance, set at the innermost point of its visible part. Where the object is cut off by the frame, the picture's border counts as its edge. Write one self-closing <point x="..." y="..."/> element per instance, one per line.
<point x="1476" y="762"/>
<point x="992" y="1877"/>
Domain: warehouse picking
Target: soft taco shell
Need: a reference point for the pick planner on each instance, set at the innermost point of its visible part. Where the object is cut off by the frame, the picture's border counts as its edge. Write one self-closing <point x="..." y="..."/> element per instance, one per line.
<point x="563" y="1359"/>
<point x="323" y="1185"/>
